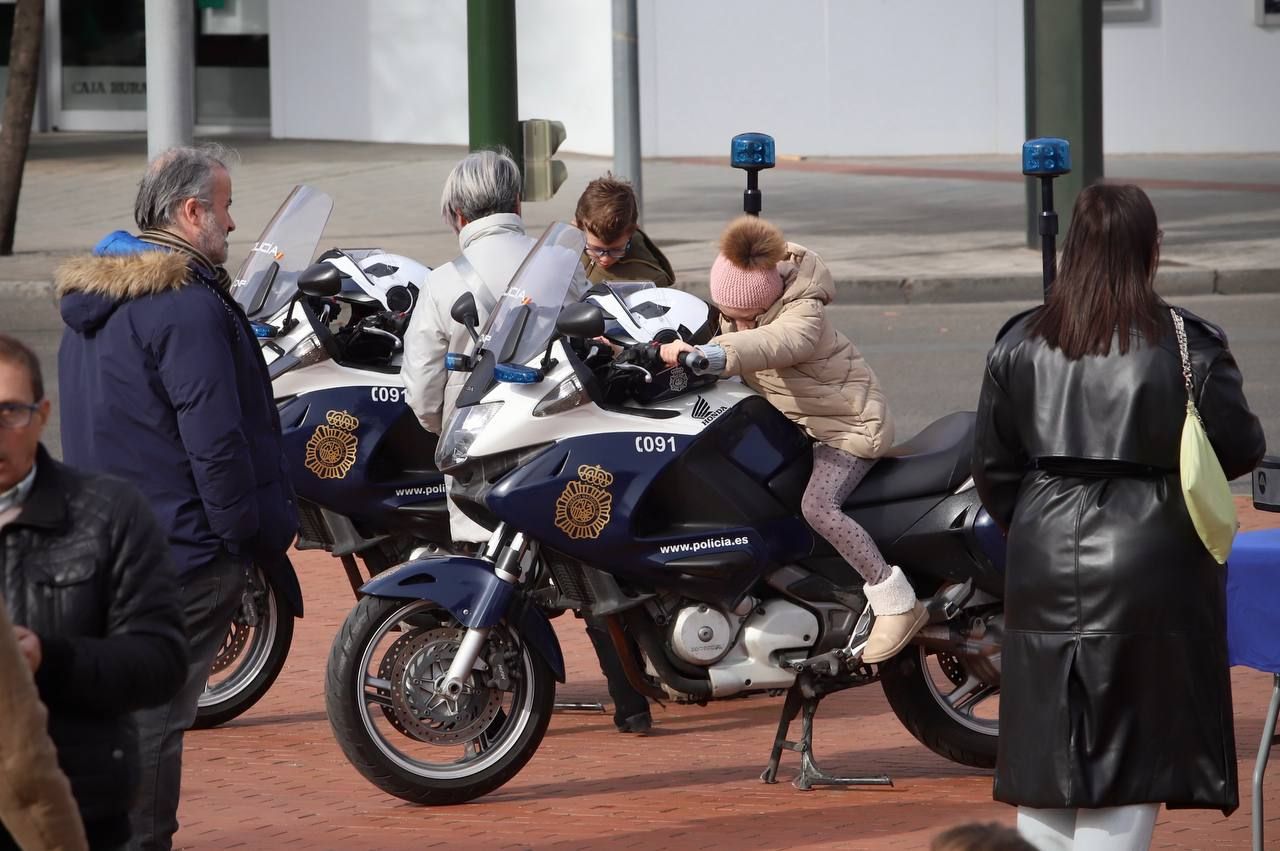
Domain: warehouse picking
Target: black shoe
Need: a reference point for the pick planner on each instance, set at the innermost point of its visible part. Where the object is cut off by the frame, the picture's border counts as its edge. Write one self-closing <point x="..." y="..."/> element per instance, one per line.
<point x="640" y="723"/>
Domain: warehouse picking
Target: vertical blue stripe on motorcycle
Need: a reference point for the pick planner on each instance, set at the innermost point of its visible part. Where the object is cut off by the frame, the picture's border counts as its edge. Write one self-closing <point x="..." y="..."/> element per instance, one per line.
<point x="360" y="451"/>
<point x="990" y="538"/>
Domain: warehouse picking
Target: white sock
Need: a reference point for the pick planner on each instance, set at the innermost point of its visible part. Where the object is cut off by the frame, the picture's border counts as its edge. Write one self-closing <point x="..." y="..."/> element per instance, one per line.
<point x="892" y="595"/>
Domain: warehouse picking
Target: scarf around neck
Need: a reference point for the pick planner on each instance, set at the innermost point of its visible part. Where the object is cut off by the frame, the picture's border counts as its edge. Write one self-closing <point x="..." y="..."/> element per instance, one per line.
<point x="173" y="242"/>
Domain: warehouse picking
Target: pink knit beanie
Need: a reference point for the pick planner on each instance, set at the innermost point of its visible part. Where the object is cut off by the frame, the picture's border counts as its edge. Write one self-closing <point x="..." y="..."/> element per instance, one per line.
<point x="745" y="275"/>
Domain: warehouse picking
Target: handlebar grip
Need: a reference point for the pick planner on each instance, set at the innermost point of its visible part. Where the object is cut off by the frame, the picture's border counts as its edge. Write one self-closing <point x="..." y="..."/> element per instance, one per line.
<point x="695" y="362"/>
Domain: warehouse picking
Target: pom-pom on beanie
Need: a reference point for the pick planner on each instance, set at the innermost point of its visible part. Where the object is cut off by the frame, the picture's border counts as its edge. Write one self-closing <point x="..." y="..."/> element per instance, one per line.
<point x="745" y="273"/>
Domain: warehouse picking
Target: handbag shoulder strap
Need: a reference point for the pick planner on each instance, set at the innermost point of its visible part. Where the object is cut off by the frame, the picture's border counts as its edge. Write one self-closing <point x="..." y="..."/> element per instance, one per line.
<point x="1185" y="355"/>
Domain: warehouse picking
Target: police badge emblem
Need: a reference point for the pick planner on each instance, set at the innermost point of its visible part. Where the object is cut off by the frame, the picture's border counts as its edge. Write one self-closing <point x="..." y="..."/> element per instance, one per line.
<point x="331" y="451"/>
<point x="584" y="508"/>
<point x="679" y="381"/>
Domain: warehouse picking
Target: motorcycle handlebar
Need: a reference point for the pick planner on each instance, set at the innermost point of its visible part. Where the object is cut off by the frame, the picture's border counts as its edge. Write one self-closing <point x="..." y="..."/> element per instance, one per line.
<point x="695" y="362"/>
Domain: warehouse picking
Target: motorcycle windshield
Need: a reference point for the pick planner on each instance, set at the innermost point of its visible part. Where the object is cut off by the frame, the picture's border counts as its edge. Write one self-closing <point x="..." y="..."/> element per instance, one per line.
<point x="268" y="278"/>
<point x="524" y="317"/>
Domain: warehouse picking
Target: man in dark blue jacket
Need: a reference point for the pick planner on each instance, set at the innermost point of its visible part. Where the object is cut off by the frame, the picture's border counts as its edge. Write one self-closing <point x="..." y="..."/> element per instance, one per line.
<point x="162" y="383"/>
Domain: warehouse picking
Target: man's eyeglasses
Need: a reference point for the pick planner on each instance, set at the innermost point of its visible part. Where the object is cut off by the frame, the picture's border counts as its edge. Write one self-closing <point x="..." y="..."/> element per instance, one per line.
<point x="615" y="253"/>
<point x="16" y="415"/>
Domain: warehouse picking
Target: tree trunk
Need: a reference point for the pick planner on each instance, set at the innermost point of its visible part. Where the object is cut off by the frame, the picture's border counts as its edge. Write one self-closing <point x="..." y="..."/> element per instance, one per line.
<point x="19" y="104"/>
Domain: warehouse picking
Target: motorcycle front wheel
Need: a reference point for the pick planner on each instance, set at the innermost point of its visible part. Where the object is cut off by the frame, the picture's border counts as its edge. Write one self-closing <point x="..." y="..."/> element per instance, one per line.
<point x="251" y="656"/>
<point x="407" y="739"/>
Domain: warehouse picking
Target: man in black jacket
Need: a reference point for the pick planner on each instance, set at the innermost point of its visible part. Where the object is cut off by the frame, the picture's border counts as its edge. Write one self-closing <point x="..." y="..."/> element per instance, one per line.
<point x="90" y="586"/>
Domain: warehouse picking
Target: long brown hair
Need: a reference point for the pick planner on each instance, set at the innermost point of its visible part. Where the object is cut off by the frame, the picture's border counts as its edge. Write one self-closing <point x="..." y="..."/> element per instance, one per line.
<point x="1106" y="278"/>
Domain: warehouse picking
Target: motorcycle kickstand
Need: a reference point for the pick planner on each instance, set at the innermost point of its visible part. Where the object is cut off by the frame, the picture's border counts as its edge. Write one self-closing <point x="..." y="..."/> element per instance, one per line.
<point x="810" y="774"/>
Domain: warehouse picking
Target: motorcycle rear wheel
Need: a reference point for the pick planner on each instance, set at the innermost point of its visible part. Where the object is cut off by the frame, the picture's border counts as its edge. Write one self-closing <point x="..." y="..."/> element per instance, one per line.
<point x="944" y="704"/>
<point x="378" y="698"/>
<point x="251" y="657"/>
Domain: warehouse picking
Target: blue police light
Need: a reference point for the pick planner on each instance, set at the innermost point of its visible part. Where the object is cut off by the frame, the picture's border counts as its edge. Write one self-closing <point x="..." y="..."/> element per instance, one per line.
<point x="751" y="150"/>
<point x="510" y="373"/>
<point x="454" y="362"/>
<point x="262" y="330"/>
<point x="1046" y="157"/>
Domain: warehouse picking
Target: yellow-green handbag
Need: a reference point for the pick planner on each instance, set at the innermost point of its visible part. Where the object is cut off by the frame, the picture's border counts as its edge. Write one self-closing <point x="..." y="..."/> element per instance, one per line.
<point x="1204" y="485"/>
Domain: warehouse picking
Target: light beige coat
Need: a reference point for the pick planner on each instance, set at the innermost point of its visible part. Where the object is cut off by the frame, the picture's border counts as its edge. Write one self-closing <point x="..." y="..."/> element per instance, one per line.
<point x="806" y="368"/>
<point x="36" y="806"/>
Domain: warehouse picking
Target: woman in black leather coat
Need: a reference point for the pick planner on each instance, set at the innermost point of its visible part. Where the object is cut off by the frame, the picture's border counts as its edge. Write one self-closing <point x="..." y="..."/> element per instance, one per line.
<point x="1115" y="694"/>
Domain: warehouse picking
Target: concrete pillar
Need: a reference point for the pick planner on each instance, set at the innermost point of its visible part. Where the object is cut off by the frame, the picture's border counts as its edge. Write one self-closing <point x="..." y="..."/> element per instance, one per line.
<point x="626" y="97"/>
<point x="171" y="74"/>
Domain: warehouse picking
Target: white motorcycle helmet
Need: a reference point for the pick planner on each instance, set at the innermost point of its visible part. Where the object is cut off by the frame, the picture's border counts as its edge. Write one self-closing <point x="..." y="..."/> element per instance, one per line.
<point x="378" y="274"/>
<point x="642" y="312"/>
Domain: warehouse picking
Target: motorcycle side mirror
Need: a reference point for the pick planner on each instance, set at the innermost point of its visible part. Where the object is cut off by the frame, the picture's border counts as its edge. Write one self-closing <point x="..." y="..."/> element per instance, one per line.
<point x="464" y="312"/>
<point x="581" y="320"/>
<point x="320" y="280"/>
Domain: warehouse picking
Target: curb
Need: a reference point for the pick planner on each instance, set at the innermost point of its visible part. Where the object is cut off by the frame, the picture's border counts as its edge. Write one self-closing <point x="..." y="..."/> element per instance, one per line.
<point x="26" y="290"/>
<point x="960" y="289"/>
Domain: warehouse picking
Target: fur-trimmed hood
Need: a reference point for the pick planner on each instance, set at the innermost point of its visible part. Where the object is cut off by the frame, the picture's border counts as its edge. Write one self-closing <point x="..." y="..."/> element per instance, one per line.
<point x="122" y="267"/>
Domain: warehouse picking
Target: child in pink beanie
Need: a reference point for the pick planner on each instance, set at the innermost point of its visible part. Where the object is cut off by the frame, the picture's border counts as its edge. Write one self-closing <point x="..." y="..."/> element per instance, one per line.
<point x="775" y="334"/>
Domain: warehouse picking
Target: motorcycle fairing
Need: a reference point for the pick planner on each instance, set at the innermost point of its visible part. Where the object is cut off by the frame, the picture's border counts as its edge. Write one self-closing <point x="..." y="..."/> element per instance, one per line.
<point x="358" y="453"/>
<point x="670" y="511"/>
<point x="473" y="594"/>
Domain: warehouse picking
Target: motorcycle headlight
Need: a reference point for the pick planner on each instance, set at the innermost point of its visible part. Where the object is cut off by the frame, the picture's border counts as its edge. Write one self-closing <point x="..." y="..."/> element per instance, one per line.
<point x="566" y="395"/>
<point x="464" y="427"/>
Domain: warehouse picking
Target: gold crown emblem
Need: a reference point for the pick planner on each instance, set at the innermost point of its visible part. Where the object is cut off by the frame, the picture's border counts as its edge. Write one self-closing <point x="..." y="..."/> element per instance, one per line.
<point x="595" y="475"/>
<point x="342" y="420"/>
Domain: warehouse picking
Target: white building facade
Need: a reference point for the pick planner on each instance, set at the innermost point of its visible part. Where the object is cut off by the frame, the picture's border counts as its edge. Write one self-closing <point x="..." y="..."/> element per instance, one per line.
<point x="824" y="77"/>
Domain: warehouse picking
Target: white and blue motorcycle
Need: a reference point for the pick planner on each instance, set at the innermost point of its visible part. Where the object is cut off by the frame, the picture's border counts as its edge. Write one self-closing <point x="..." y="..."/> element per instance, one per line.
<point x="667" y="503"/>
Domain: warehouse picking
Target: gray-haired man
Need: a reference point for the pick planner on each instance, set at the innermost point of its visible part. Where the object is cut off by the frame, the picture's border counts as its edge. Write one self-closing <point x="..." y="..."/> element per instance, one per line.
<point x="163" y="385"/>
<point x="481" y="202"/>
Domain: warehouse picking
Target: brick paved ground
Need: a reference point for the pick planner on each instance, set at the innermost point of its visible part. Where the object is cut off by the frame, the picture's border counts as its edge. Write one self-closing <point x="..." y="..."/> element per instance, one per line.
<point x="275" y="778"/>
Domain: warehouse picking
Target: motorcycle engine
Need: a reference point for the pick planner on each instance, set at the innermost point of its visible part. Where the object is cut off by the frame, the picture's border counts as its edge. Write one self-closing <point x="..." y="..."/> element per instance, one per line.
<point x="701" y="635"/>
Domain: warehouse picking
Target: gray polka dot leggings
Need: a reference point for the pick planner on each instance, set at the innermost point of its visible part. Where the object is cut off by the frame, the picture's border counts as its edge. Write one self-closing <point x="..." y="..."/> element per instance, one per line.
<point x="835" y="474"/>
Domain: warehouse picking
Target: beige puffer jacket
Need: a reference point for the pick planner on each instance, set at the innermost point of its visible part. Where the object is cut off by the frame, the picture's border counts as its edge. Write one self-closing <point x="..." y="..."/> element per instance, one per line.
<point x="806" y="368"/>
<point x="36" y="807"/>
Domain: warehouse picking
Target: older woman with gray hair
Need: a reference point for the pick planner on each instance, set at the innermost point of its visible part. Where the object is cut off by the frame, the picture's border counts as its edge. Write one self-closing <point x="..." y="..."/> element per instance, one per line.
<point x="481" y="203"/>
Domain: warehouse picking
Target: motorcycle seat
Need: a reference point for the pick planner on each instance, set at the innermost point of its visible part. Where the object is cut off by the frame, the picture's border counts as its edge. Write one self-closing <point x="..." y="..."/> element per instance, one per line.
<point x="935" y="461"/>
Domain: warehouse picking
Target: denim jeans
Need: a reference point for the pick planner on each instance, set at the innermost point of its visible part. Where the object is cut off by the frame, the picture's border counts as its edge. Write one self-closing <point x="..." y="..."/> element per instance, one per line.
<point x="210" y="597"/>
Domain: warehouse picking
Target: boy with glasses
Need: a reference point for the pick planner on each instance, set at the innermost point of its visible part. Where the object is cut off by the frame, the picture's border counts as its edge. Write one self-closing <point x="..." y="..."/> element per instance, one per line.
<point x="617" y="250"/>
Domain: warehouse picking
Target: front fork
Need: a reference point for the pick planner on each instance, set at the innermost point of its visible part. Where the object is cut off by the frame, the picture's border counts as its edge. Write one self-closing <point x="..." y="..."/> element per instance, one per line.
<point x="510" y="560"/>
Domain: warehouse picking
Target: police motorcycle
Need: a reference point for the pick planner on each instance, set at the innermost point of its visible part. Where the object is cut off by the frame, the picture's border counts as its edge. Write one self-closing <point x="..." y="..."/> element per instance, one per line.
<point x="668" y="503"/>
<point x="359" y="462"/>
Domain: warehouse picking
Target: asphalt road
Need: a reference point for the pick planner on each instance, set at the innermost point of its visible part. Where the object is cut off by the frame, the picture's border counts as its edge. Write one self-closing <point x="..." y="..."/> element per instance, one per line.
<point x="929" y="356"/>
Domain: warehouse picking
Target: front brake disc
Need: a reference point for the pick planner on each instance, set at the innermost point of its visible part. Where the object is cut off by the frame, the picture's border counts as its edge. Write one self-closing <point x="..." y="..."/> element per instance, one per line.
<point x="232" y="645"/>
<point x="419" y="664"/>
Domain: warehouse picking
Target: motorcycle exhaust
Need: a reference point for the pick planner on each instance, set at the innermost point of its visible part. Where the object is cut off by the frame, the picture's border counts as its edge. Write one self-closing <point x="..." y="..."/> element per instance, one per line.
<point x="947" y="603"/>
<point x="948" y="638"/>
